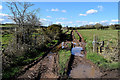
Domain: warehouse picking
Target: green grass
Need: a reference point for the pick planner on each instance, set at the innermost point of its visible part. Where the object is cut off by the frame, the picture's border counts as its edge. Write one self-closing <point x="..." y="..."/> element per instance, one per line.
<point x="11" y="72"/>
<point x="52" y="43"/>
<point x="69" y="32"/>
<point x="64" y="56"/>
<point x="64" y="30"/>
<point x="106" y="35"/>
<point x="29" y="60"/>
<point x="14" y="70"/>
<point x="8" y="26"/>
<point x="103" y="35"/>
<point x="76" y="36"/>
<point x="5" y="39"/>
<point x="102" y="62"/>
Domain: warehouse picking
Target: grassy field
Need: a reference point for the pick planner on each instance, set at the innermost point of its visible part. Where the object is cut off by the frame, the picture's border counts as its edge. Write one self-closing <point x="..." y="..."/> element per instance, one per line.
<point x="64" y="55"/>
<point x="110" y="36"/>
<point x="7" y="25"/>
<point x="5" y="39"/>
<point x="106" y="35"/>
<point x="103" y="35"/>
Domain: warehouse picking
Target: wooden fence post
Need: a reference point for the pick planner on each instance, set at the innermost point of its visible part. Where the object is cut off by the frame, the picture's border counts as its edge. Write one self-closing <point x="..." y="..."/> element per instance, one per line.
<point x="95" y="49"/>
<point x="102" y="45"/>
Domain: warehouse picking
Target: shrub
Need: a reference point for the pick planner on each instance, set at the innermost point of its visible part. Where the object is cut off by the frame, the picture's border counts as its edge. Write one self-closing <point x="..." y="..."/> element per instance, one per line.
<point x="112" y="27"/>
<point x="98" y="26"/>
<point x="54" y="31"/>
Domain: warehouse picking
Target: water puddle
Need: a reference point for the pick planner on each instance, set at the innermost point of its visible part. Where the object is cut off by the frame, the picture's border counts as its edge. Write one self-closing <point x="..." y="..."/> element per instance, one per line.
<point x="77" y="51"/>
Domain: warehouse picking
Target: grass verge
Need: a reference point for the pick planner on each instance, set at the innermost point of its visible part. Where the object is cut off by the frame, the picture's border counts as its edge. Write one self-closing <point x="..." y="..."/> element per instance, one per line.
<point x="14" y="70"/>
<point x="64" y="56"/>
<point x="102" y="62"/>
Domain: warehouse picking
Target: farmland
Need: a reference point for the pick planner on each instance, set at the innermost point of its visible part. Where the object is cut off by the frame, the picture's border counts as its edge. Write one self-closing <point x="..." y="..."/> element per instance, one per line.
<point x="108" y="36"/>
<point x="39" y="41"/>
<point x="98" y="58"/>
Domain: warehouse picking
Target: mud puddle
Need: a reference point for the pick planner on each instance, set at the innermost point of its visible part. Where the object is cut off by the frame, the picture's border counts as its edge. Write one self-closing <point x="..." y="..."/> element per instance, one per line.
<point x="82" y="68"/>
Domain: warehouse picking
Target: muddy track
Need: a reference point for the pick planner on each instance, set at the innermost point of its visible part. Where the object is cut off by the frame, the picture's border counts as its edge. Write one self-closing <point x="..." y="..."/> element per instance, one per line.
<point x="80" y="67"/>
<point x="47" y="67"/>
<point x="27" y="68"/>
<point x="40" y="68"/>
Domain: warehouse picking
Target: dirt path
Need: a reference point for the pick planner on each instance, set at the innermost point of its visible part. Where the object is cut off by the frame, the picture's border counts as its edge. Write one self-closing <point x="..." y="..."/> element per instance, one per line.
<point x="46" y="68"/>
<point x="49" y="67"/>
<point x="81" y="67"/>
<point x="78" y="67"/>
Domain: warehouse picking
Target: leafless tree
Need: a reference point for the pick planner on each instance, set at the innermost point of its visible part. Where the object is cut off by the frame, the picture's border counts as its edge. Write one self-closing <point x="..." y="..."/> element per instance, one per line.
<point x="25" y="18"/>
<point x="21" y="14"/>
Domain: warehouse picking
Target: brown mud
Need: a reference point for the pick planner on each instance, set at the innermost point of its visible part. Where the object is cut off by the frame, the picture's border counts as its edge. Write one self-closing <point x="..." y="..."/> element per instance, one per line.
<point x="78" y="67"/>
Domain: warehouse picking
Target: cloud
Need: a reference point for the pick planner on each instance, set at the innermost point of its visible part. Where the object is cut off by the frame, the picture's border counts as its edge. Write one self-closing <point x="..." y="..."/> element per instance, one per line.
<point x="83" y="15"/>
<point x="64" y="23"/>
<point x="91" y="11"/>
<point x="55" y="9"/>
<point x="10" y="22"/>
<point x="91" y="22"/>
<point x="1" y="19"/>
<point x="43" y="19"/>
<point x="59" y="22"/>
<point x="61" y="18"/>
<point x="104" y="21"/>
<point x="63" y="11"/>
<point x="1" y="14"/>
<point x="100" y="8"/>
<point x="111" y="23"/>
<point x="114" y="20"/>
<point x="45" y="22"/>
<point x="83" y="22"/>
<point x="48" y="16"/>
<point x="0" y="7"/>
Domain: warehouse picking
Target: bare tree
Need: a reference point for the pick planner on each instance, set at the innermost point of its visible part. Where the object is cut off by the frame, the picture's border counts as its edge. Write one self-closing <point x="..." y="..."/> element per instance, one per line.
<point x="21" y="13"/>
<point x="25" y="18"/>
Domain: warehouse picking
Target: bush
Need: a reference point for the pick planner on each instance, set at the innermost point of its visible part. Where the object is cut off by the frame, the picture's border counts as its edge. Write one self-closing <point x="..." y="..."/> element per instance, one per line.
<point x="112" y="27"/>
<point x="54" y="31"/>
<point x="98" y="26"/>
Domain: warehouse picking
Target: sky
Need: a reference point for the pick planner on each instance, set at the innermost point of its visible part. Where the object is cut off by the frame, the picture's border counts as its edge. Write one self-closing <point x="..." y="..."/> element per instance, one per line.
<point x="70" y="13"/>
